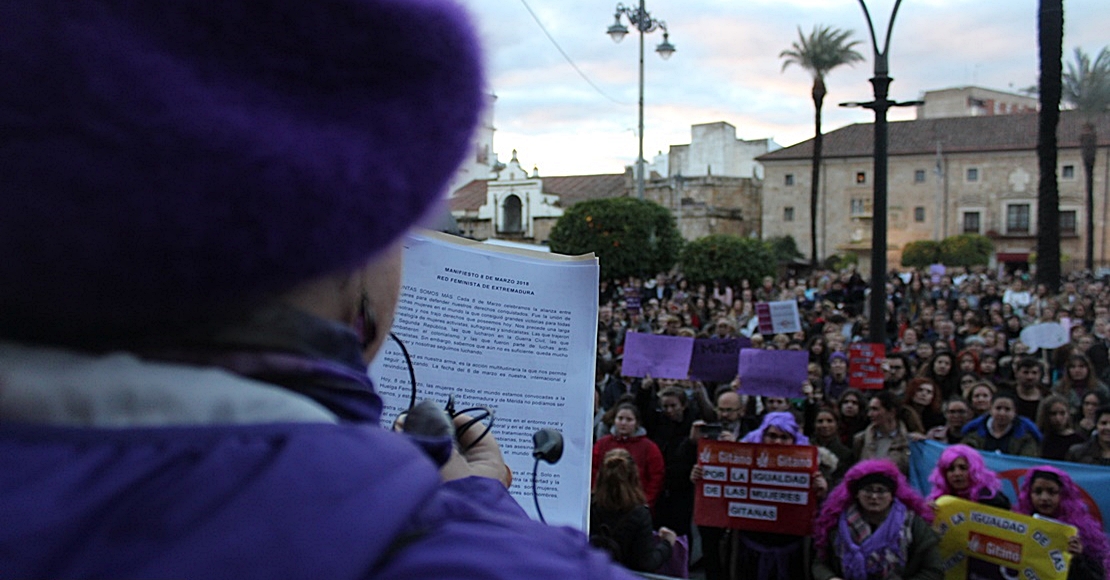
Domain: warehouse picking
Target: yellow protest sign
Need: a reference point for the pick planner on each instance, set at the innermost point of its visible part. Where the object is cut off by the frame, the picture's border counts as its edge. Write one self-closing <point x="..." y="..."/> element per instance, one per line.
<point x="986" y="543"/>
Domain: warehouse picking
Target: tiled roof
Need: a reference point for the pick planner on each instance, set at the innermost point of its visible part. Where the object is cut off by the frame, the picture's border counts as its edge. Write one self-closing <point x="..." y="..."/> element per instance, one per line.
<point x="955" y="134"/>
<point x="571" y="189"/>
<point x="469" y="197"/>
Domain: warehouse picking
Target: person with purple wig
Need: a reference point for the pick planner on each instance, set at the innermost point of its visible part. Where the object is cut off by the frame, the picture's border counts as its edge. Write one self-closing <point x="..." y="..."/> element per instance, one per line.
<point x="767" y="555"/>
<point x="1051" y="493"/>
<point x="874" y="525"/>
<point x="960" y="472"/>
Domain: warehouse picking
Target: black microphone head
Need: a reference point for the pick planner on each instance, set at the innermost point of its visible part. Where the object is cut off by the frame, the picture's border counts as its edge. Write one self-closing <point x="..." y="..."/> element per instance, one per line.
<point x="547" y="444"/>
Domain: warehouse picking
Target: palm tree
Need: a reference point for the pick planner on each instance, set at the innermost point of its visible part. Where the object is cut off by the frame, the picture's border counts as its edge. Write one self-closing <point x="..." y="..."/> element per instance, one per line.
<point x="1087" y="88"/>
<point x="823" y="50"/>
<point x="1050" y="37"/>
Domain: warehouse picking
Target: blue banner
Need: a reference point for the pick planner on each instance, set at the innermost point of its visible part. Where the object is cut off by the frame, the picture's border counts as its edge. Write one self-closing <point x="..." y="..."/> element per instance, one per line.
<point x="1011" y="469"/>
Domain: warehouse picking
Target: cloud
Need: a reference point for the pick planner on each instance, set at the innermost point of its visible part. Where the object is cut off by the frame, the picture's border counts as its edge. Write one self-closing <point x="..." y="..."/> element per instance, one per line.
<point x="727" y="68"/>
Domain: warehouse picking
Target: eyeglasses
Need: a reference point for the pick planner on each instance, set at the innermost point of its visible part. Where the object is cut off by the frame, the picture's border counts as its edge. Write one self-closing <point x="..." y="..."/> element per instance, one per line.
<point x="875" y="490"/>
<point x="727" y="410"/>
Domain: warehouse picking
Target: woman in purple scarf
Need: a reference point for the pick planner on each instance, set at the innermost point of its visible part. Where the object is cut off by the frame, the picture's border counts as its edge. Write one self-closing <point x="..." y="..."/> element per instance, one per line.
<point x="874" y="525"/>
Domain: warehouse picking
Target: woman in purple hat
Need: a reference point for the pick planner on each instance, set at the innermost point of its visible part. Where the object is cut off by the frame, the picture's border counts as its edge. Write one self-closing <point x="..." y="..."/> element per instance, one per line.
<point x="874" y="525"/>
<point x="204" y="205"/>
<point x="768" y="555"/>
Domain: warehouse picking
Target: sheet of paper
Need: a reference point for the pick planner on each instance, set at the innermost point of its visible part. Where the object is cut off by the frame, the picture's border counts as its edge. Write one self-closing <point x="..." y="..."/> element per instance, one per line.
<point x="512" y="330"/>
<point x="778" y="317"/>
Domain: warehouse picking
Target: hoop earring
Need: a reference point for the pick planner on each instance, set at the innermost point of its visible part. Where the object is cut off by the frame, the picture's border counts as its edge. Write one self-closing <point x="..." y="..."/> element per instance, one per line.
<point x="366" y="325"/>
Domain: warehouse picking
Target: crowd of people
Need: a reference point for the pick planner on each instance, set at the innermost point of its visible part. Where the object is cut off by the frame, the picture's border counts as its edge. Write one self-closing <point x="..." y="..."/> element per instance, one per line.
<point x="956" y="371"/>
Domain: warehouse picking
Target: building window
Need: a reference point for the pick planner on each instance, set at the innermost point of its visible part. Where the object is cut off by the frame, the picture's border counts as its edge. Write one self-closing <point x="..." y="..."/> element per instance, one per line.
<point x="511" y="209"/>
<point x="788" y="214"/>
<point x="789" y="180"/>
<point x="919" y="214"/>
<point x="971" y="222"/>
<point x="1067" y="172"/>
<point x="973" y="174"/>
<point x="919" y="176"/>
<point x="1017" y="218"/>
<point x="861" y="177"/>
<point x="1068" y="225"/>
<point x="859" y="207"/>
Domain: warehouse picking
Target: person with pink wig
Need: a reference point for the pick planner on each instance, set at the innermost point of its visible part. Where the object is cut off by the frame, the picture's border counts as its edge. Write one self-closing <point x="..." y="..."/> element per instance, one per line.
<point x="960" y="472"/>
<point x="874" y="525"/>
<point x="1051" y="493"/>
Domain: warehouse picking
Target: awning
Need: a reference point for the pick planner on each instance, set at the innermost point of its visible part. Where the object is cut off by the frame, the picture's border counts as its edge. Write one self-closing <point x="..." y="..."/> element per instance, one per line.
<point x="1012" y="256"/>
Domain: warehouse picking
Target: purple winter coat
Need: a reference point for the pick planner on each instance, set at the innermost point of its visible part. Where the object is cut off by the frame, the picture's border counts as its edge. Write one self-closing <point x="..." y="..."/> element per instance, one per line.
<point x="261" y="499"/>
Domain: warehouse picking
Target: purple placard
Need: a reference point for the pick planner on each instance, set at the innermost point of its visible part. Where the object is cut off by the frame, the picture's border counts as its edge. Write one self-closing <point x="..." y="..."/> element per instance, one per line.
<point x="658" y="355"/>
<point x="935" y="273"/>
<point x="716" y="359"/>
<point x="772" y="373"/>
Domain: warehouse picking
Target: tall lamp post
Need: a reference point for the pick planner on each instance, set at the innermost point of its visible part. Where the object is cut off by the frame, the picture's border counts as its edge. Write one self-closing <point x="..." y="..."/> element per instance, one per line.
<point x="642" y="20"/>
<point x="880" y="82"/>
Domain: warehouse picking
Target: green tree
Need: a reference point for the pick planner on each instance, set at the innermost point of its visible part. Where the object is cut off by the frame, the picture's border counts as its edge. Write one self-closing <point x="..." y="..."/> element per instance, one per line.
<point x="727" y="257"/>
<point x="784" y="248"/>
<point x="1050" y="38"/>
<point x="1087" y="88"/>
<point x="966" y="250"/>
<point x="631" y="237"/>
<point x="823" y="50"/>
<point x="920" y="254"/>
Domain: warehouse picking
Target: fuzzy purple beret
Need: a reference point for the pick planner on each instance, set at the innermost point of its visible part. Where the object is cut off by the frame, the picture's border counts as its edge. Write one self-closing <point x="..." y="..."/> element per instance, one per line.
<point x="161" y="159"/>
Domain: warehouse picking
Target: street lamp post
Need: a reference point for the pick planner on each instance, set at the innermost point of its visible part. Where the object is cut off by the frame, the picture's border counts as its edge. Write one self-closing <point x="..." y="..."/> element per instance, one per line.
<point x="880" y="82"/>
<point x="642" y="20"/>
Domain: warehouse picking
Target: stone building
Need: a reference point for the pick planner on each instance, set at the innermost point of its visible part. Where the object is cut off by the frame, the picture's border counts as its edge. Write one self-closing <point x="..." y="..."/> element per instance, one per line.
<point x="973" y="102"/>
<point x="946" y="176"/>
<point x="712" y="186"/>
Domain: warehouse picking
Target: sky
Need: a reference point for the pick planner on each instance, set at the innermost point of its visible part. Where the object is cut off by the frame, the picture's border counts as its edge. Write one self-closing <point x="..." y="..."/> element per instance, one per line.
<point x="727" y="68"/>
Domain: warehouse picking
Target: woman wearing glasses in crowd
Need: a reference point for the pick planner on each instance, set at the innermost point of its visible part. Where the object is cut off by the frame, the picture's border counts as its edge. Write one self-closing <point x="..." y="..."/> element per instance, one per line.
<point x="956" y="414"/>
<point x="1051" y="493"/>
<point x="767" y="555"/>
<point x="874" y="525"/>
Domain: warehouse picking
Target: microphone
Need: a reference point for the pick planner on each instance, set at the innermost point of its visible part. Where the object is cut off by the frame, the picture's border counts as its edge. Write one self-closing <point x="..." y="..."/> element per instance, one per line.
<point x="547" y="444"/>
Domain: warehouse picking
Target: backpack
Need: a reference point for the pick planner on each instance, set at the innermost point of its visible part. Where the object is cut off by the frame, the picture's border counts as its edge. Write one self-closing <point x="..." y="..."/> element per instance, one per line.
<point x="606" y="537"/>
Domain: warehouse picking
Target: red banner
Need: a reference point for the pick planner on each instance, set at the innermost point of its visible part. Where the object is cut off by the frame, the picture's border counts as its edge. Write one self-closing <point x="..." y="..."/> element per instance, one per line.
<point x="758" y="487"/>
<point x="865" y="365"/>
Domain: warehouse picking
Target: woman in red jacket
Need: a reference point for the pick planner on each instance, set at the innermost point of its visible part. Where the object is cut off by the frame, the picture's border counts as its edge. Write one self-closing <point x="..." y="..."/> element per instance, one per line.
<point x="629" y="435"/>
